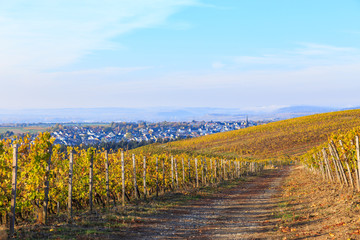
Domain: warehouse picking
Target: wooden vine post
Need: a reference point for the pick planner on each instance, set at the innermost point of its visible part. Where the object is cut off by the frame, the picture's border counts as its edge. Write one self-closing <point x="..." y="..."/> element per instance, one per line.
<point x="230" y="169"/>
<point x="70" y="188"/>
<point x="163" y="174"/>
<point x="336" y="166"/>
<point x="240" y="168"/>
<point x="46" y="187"/>
<point x="211" y="171"/>
<point x="157" y="176"/>
<point x="13" y="190"/>
<point x="144" y="177"/>
<point x="136" y="190"/>
<point x="205" y="171"/>
<point x="238" y="173"/>
<point x="123" y="178"/>
<point x="358" y="160"/>
<point x="233" y="163"/>
<point x="237" y="169"/>
<point x="222" y="176"/>
<point x="196" y="173"/>
<point x="233" y="166"/>
<point x="91" y="176"/>
<point x="183" y="172"/>
<point x="107" y="177"/>
<point x="337" y="158"/>
<point x="234" y="169"/>
<point x="347" y="164"/>
<point x="327" y="165"/>
<point x="215" y="171"/>
<point x="172" y="173"/>
<point x="189" y="170"/>
<point x="176" y="173"/>
<point x="202" y="171"/>
<point x="320" y="166"/>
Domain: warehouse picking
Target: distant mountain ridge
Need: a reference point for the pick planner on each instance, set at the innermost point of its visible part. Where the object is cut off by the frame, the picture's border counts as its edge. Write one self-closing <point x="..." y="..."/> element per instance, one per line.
<point x="154" y="114"/>
<point x="306" y="109"/>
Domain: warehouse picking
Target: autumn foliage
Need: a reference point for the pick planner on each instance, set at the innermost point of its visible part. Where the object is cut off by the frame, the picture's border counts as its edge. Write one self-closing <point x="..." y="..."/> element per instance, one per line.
<point x="173" y="171"/>
<point x="287" y="138"/>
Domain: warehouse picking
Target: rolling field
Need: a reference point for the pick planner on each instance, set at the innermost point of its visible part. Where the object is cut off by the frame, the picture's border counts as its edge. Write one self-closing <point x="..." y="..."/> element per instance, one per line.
<point x="22" y="130"/>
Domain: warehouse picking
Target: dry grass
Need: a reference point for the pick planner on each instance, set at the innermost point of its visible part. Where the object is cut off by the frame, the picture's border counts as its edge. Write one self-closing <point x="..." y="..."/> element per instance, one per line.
<point x="313" y="209"/>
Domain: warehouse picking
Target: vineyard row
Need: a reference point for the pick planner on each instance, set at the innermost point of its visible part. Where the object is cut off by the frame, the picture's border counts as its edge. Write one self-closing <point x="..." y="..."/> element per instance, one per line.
<point x="37" y="179"/>
<point x="337" y="161"/>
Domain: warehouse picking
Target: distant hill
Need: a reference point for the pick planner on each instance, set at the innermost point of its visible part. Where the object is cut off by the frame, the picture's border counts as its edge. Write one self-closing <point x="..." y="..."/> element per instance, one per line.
<point x="285" y="138"/>
<point x="305" y="109"/>
<point x="153" y="114"/>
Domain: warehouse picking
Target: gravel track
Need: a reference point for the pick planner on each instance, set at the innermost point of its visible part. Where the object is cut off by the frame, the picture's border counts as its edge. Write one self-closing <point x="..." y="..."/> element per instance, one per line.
<point x="243" y="212"/>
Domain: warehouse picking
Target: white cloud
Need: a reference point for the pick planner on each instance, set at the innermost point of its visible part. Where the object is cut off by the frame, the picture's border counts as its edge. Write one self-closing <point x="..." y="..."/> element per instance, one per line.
<point x="40" y="34"/>
<point x="305" y="56"/>
<point x="218" y="65"/>
<point x="321" y="85"/>
<point x="96" y="73"/>
<point x="320" y="49"/>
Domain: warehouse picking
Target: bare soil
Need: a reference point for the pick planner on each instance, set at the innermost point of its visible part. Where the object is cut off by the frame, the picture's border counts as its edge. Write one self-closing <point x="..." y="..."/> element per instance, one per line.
<point x="242" y="212"/>
<point x="314" y="209"/>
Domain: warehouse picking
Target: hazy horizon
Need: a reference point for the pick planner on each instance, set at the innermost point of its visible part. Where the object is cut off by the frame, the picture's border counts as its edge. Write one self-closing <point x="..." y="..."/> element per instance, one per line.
<point x="156" y="114"/>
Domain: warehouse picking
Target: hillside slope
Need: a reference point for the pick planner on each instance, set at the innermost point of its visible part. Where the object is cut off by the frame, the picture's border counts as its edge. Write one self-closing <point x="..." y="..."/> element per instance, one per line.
<point x="291" y="137"/>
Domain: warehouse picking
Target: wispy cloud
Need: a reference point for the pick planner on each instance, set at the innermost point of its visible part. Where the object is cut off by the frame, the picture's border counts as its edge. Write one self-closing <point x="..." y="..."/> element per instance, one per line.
<point x="304" y="56"/>
<point x="218" y="65"/>
<point x="40" y="34"/>
<point x="39" y="37"/>
<point x="100" y="71"/>
<point x="106" y="75"/>
<point x="311" y="49"/>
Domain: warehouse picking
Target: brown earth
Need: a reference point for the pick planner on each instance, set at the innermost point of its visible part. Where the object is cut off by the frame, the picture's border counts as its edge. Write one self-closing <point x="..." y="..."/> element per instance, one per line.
<point x="243" y="212"/>
<point x="314" y="209"/>
<point x="288" y="203"/>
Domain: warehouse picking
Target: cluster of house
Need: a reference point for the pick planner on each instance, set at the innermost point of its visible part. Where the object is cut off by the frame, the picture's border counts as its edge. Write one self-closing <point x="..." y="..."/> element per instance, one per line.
<point x="76" y="135"/>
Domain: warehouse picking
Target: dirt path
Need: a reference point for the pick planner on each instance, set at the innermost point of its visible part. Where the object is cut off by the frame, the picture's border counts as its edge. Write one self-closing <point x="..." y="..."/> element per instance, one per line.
<point x="243" y="212"/>
<point x="289" y="203"/>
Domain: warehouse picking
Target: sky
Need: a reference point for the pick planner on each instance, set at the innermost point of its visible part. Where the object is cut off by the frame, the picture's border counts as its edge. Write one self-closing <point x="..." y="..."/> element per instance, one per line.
<point x="179" y="53"/>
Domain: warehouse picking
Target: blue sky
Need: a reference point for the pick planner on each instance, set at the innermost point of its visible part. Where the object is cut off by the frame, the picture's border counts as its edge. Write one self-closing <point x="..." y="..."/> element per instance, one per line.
<point x="179" y="53"/>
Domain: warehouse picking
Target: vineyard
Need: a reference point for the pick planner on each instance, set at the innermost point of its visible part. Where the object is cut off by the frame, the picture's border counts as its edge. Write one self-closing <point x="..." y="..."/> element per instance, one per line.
<point x="37" y="179"/>
<point x="338" y="160"/>
<point x="281" y="139"/>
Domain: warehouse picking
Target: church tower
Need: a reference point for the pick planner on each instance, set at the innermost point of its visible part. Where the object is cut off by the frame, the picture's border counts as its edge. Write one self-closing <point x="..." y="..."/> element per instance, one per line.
<point x="247" y="121"/>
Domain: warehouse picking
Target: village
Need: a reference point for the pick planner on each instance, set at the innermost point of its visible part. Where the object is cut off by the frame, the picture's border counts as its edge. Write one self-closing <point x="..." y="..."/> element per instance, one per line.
<point x="143" y="131"/>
